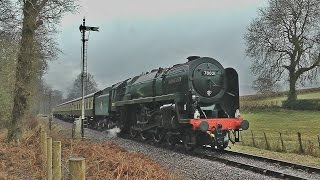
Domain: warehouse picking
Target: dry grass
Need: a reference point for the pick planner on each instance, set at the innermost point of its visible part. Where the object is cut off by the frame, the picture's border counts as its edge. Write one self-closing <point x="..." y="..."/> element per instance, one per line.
<point x="104" y="160"/>
<point x="108" y="161"/>
<point x="21" y="162"/>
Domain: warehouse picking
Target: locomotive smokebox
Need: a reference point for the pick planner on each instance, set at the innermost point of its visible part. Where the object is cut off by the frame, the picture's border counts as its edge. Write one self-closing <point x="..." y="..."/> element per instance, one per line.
<point x="208" y="79"/>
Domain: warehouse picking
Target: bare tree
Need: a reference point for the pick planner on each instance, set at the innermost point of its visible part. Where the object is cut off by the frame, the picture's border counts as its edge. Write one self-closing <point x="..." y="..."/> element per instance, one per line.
<point x="8" y="52"/>
<point x="90" y="87"/>
<point x="284" y="41"/>
<point x="38" y="16"/>
<point x="45" y="98"/>
<point x="7" y="76"/>
<point x="7" y="17"/>
<point x="265" y="85"/>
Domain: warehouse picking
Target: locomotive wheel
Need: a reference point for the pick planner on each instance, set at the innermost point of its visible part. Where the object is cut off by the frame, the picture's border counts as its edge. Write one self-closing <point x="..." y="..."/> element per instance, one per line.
<point x="221" y="147"/>
<point x="143" y="136"/>
<point x="171" y="140"/>
<point x="158" y="135"/>
<point x="224" y="145"/>
<point x="188" y="142"/>
<point x="133" y="132"/>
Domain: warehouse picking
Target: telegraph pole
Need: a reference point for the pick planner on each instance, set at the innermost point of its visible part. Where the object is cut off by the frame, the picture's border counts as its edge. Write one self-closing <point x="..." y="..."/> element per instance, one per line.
<point x="83" y="28"/>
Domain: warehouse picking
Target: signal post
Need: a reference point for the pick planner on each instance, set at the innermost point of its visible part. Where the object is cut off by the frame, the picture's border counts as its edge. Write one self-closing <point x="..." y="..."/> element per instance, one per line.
<point x="83" y="28"/>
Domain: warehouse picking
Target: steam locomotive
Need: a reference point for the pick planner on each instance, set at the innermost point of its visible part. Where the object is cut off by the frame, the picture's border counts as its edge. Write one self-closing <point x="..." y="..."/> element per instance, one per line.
<point x="195" y="103"/>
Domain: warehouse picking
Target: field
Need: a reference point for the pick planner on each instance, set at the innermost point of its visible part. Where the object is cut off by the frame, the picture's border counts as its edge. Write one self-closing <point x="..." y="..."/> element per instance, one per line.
<point x="288" y="123"/>
<point x="266" y="124"/>
<point x="276" y="100"/>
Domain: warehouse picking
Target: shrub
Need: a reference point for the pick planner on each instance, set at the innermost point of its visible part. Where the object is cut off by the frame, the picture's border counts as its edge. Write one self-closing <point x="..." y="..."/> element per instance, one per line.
<point x="302" y="104"/>
<point x="31" y="122"/>
<point x="248" y="106"/>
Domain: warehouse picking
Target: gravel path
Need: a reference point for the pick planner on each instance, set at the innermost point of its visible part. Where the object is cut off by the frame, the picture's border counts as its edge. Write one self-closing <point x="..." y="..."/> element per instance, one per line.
<point x="188" y="167"/>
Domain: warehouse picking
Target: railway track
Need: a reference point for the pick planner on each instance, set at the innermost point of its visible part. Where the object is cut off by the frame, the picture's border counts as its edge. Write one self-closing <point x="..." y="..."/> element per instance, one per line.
<point x="286" y="170"/>
<point x="309" y="169"/>
<point x="255" y="169"/>
<point x="262" y="165"/>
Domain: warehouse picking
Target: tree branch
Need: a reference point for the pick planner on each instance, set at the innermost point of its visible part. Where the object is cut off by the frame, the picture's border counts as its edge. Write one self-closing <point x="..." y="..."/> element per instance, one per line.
<point x="315" y="64"/>
<point x="42" y="5"/>
<point x="305" y="20"/>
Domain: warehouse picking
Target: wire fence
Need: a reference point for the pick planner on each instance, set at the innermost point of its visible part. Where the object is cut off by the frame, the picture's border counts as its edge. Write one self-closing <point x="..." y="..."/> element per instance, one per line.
<point x="283" y="142"/>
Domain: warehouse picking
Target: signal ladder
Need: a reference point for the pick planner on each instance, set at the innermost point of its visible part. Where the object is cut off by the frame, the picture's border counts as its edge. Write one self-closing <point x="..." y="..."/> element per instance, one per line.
<point x="84" y="51"/>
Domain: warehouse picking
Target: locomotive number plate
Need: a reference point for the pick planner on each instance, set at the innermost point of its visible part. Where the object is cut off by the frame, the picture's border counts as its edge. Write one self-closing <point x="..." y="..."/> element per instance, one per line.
<point x="208" y="73"/>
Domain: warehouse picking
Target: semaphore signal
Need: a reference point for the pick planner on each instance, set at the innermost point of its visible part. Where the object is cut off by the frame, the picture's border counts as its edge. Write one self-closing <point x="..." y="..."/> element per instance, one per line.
<point x="83" y="28"/>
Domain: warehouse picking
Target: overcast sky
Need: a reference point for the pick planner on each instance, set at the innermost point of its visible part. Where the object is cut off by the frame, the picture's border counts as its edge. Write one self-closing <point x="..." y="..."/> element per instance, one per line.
<point x="141" y="35"/>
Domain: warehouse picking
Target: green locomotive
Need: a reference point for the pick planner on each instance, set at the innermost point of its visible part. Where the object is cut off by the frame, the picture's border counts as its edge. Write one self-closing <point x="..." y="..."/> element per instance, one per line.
<point x="195" y="103"/>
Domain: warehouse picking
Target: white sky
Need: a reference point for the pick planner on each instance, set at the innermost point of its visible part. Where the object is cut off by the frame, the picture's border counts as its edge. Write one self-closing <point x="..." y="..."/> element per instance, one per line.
<point x="137" y="36"/>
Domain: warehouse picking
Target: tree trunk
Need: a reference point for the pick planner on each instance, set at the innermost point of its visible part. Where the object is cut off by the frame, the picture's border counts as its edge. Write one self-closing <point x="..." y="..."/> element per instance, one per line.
<point x="292" y="96"/>
<point x="26" y="71"/>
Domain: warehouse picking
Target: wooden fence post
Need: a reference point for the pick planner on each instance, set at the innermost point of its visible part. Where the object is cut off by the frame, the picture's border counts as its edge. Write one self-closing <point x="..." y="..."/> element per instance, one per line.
<point x="50" y="121"/>
<point x="282" y="144"/>
<point x="49" y="158"/>
<point x="76" y="128"/>
<point x="267" y="143"/>
<point x="300" y="143"/>
<point x="242" y="142"/>
<point x="43" y="141"/>
<point x="77" y="168"/>
<point x="253" y="141"/>
<point x="56" y="160"/>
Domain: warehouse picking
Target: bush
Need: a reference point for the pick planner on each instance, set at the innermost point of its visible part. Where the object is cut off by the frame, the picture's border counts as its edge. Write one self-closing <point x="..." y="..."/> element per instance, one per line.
<point x="302" y="104"/>
<point x="31" y="122"/>
<point x="248" y="109"/>
<point x="248" y="106"/>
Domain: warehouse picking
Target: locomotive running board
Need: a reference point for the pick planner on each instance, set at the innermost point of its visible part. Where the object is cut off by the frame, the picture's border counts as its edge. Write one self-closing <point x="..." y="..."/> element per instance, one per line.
<point x="167" y="97"/>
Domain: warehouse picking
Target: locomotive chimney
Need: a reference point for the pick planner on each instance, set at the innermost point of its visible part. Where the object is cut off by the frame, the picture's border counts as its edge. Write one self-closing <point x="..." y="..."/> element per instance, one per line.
<point x="191" y="58"/>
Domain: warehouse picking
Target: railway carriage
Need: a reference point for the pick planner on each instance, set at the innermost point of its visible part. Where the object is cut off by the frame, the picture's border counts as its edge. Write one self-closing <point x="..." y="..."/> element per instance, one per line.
<point x="72" y="109"/>
<point x="195" y="103"/>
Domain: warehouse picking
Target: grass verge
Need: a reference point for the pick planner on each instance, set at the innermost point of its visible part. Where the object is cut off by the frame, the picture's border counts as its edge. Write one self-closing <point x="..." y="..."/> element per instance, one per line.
<point x="290" y="157"/>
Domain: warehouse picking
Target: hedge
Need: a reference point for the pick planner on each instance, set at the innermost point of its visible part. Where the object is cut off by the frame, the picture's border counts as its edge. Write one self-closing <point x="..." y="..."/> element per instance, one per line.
<point x="302" y="104"/>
